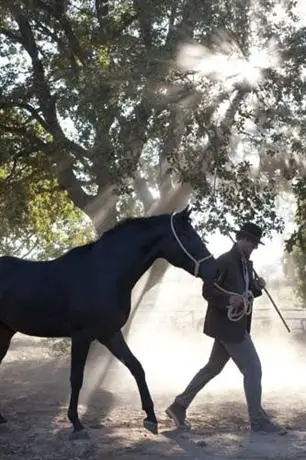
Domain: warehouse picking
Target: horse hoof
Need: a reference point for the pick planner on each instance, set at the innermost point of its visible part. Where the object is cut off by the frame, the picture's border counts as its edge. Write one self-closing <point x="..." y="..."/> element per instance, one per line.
<point x="151" y="426"/>
<point x="81" y="434"/>
<point x="2" y="419"/>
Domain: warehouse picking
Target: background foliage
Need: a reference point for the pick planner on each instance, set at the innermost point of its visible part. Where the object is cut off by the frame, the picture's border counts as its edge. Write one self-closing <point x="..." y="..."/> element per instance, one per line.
<point x="103" y="115"/>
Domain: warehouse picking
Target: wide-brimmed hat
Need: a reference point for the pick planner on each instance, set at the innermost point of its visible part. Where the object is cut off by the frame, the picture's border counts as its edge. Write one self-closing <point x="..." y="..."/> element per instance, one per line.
<point x="251" y="231"/>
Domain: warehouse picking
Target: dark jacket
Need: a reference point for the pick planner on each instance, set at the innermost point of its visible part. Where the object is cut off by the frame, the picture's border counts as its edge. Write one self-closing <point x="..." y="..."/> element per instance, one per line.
<point x="231" y="277"/>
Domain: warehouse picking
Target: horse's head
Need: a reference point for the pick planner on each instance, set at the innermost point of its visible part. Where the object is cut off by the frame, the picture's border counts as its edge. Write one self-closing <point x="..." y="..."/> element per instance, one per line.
<point x="182" y="247"/>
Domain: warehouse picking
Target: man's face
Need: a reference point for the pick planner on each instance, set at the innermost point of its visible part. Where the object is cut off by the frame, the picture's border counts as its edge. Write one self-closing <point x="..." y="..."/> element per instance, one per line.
<point x="247" y="246"/>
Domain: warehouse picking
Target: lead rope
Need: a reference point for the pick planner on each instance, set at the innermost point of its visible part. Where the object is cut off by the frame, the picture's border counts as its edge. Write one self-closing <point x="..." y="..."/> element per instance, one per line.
<point x="236" y="313"/>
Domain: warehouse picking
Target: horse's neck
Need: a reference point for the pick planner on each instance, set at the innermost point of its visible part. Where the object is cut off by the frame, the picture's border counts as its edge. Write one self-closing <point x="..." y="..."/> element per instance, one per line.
<point x="139" y="256"/>
<point x="146" y="264"/>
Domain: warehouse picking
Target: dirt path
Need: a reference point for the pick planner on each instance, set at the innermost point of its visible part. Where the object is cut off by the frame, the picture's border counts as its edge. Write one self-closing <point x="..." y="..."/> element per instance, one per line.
<point x="34" y="389"/>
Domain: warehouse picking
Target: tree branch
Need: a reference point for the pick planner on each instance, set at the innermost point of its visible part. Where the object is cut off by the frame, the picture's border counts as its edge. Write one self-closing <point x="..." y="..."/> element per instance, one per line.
<point x="190" y="17"/>
<point x="58" y="12"/>
<point x="12" y="172"/>
<point x="126" y="20"/>
<point x="145" y="22"/>
<point x="102" y="209"/>
<point x="143" y="192"/>
<point x="35" y="115"/>
<point x="40" y="85"/>
<point x="74" y="43"/>
<point x="61" y="161"/>
<point x="10" y="34"/>
<point x="101" y="7"/>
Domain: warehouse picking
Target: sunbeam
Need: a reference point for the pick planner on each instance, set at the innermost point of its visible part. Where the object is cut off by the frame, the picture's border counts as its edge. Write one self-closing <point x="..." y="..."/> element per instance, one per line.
<point x="228" y="66"/>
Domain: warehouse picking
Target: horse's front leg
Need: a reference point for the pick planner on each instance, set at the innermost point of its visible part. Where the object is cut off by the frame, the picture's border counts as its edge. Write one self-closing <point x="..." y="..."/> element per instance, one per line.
<point x="120" y="349"/>
<point x="80" y="343"/>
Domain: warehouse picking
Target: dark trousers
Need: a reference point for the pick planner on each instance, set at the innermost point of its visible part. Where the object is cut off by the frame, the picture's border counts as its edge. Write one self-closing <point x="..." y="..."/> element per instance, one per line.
<point x="246" y="359"/>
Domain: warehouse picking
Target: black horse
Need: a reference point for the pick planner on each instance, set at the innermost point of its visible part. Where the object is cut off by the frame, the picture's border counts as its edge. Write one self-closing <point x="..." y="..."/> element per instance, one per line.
<point x="86" y="293"/>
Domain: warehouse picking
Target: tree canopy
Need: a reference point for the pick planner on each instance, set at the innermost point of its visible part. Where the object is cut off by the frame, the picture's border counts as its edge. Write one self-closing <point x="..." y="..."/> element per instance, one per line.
<point x="111" y="108"/>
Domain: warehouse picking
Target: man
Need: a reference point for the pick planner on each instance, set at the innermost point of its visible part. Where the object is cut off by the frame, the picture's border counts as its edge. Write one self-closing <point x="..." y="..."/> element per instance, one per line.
<point x="232" y="339"/>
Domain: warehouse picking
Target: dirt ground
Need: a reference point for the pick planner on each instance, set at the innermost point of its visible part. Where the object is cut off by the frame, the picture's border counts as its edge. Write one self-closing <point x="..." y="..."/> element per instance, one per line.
<point x="34" y="389"/>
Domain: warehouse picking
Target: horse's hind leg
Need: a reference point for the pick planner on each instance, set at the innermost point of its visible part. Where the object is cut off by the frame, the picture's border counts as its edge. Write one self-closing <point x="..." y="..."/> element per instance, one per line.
<point x="6" y="335"/>
<point x="80" y="344"/>
<point x="118" y="346"/>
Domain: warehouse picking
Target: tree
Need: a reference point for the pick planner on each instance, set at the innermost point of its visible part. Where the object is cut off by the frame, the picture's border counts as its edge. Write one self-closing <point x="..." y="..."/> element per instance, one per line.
<point x="295" y="255"/>
<point x="104" y="69"/>
<point x="102" y="99"/>
<point x="36" y="214"/>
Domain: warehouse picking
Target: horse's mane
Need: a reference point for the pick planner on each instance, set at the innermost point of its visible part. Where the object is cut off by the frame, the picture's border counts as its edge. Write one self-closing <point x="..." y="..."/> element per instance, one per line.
<point x="131" y="221"/>
<point x="84" y="248"/>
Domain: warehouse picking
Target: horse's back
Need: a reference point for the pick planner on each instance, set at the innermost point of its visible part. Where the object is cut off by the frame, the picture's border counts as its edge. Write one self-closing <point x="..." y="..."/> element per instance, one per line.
<point x="22" y="275"/>
<point x="32" y="298"/>
<point x="84" y="288"/>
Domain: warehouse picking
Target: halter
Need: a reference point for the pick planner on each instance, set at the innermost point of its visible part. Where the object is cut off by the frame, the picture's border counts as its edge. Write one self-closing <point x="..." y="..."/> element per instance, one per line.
<point x="196" y="262"/>
<point x="233" y="313"/>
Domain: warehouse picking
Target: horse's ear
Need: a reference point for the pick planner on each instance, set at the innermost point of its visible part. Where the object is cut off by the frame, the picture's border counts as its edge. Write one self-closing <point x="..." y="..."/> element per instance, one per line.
<point x="186" y="212"/>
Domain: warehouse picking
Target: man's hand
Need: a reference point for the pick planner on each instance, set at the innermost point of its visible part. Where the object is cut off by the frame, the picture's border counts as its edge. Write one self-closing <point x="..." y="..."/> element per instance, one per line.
<point x="259" y="284"/>
<point x="236" y="301"/>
